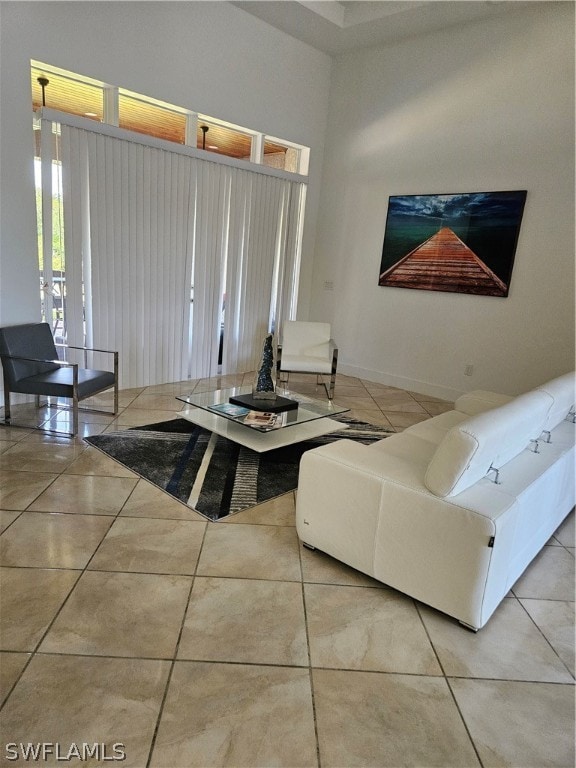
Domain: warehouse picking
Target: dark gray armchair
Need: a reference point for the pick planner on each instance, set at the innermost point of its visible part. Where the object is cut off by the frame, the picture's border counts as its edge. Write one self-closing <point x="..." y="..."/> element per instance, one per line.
<point x="31" y="366"/>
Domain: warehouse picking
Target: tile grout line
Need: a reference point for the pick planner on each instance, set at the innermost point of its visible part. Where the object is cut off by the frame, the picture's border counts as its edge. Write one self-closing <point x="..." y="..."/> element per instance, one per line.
<point x="310" y="668"/>
<point x="445" y="677"/>
<point x="175" y="654"/>
<point x="169" y="676"/>
<point x="527" y="612"/>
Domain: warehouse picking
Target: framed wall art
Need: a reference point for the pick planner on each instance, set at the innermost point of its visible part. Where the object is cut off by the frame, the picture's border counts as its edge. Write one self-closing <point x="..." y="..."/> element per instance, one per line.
<point x="463" y="243"/>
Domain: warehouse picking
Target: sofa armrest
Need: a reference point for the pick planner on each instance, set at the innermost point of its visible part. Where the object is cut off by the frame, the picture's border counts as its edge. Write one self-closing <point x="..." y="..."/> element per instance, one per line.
<point x="339" y="498"/>
<point x="60" y="363"/>
<point x="369" y="509"/>
<point x="86" y="350"/>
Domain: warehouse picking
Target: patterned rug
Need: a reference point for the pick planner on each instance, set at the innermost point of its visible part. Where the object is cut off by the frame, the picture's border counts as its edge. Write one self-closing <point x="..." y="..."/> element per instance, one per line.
<point x="211" y="474"/>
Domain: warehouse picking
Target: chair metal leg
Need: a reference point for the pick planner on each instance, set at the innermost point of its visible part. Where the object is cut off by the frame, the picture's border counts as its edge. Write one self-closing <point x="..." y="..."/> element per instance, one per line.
<point x="74" y="417"/>
<point x="115" y="383"/>
<point x="333" y="374"/>
<point x="332" y="385"/>
<point x="6" y="404"/>
<point x="75" y="400"/>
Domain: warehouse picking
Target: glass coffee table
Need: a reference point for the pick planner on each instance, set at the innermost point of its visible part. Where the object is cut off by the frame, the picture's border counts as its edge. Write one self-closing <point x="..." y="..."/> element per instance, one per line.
<point x="311" y="418"/>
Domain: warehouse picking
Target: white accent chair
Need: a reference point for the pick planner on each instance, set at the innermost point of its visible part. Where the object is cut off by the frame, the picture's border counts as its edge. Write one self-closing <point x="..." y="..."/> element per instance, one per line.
<point x="307" y="348"/>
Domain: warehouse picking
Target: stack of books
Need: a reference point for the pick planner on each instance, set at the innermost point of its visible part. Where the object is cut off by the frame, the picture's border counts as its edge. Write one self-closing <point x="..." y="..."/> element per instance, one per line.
<point x="262" y="420"/>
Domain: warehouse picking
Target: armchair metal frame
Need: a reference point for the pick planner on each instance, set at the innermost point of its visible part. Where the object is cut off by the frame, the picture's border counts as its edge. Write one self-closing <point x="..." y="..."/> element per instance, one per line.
<point x="77" y="387"/>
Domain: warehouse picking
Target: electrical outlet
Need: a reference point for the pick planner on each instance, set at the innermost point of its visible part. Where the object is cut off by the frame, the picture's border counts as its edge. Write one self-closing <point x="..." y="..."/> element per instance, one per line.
<point x="468" y="370"/>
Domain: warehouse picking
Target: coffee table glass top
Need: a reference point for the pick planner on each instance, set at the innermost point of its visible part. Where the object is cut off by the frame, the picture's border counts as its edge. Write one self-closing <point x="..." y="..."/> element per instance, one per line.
<point x="308" y="409"/>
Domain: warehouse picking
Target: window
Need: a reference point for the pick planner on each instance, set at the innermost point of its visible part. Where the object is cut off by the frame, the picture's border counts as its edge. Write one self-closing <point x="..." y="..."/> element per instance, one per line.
<point x="68" y="93"/>
<point x="136" y="114"/>
<point x="283" y="156"/>
<point x="51" y="237"/>
<point x="105" y="103"/>
<point x="223" y="139"/>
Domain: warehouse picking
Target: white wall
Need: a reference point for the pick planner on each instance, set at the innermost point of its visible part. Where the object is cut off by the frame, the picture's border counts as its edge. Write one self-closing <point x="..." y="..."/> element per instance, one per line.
<point x="485" y="107"/>
<point x="206" y="56"/>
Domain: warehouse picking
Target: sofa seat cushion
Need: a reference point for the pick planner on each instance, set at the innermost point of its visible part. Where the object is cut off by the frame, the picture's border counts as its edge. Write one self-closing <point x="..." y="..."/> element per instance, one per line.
<point x="309" y="363"/>
<point x="488" y="440"/>
<point x="59" y="383"/>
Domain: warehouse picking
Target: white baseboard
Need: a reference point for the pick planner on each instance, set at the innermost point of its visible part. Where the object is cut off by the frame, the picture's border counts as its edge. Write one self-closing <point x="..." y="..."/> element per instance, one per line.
<point x="402" y="382"/>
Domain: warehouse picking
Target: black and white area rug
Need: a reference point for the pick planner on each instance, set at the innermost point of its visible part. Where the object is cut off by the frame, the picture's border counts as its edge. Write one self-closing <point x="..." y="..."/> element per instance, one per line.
<point x="211" y="474"/>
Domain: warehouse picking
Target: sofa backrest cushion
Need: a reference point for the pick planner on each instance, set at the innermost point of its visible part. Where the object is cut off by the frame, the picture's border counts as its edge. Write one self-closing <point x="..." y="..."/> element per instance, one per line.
<point x="562" y="392"/>
<point x="488" y="440"/>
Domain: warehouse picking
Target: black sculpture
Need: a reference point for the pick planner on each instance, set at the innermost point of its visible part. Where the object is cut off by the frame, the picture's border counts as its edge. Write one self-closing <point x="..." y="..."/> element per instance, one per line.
<point x="264" y="383"/>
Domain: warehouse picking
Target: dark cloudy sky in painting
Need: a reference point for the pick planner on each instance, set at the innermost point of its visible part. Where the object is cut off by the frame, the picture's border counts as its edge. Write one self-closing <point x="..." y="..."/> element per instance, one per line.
<point x="488" y="222"/>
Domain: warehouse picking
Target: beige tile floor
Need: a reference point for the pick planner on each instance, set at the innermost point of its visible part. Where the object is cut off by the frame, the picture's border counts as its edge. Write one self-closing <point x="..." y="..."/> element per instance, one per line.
<point x="128" y="618"/>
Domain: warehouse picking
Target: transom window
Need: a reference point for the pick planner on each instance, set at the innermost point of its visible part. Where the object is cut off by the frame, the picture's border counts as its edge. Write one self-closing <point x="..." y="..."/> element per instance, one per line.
<point x="80" y="95"/>
<point x="143" y="116"/>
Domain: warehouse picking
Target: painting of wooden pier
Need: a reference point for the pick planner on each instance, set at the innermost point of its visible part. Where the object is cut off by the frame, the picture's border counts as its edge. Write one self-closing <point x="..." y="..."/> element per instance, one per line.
<point x="461" y="243"/>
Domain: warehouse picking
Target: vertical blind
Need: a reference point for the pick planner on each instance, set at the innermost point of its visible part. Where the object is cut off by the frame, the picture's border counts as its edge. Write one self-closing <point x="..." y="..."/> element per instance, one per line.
<point x="166" y="253"/>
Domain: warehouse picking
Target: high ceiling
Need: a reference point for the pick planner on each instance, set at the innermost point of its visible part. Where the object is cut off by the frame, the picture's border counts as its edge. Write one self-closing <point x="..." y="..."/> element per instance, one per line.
<point x="331" y="26"/>
<point x="337" y="26"/>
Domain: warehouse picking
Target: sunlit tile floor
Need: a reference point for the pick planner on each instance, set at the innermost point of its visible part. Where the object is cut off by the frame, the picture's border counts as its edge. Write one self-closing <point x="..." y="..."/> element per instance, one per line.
<point x="130" y="621"/>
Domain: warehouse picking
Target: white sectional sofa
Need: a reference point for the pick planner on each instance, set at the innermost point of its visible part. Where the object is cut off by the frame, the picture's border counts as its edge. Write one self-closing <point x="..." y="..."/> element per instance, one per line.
<point x="453" y="509"/>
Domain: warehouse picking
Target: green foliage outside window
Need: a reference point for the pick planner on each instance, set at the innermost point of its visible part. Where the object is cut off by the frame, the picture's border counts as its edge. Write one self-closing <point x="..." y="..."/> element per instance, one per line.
<point x="57" y="232"/>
